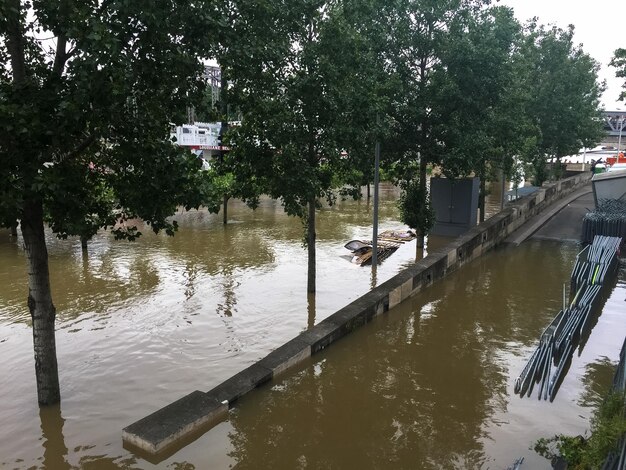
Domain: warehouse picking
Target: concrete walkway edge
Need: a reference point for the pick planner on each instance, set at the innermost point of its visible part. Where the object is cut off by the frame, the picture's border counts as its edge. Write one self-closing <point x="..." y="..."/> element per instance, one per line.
<point x="542" y="218"/>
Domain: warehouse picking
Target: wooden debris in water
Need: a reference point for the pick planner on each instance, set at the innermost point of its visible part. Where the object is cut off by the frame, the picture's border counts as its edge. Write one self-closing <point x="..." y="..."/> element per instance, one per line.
<point x="387" y="243"/>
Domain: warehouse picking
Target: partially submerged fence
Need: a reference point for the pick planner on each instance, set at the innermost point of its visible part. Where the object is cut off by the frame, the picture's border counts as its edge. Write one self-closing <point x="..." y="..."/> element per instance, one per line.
<point x="593" y="270"/>
<point x="609" y="218"/>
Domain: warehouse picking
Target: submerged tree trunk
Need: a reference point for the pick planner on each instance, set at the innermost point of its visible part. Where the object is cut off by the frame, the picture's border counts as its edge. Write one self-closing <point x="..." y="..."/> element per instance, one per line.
<point x="226" y="198"/>
<point x="223" y="130"/>
<point x="14" y="230"/>
<point x="419" y="253"/>
<point x="311" y="310"/>
<point x="368" y="191"/>
<point x="561" y="168"/>
<point x="42" y="310"/>
<point x="311" y="246"/>
<point x="83" y="243"/>
<point x="39" y="297"/>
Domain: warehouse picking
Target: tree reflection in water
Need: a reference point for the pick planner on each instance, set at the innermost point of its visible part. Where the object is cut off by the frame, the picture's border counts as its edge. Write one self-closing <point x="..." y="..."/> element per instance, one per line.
<point x="597" y="381"/>
<point x="411" y="394"/>
<point x="55" y="451"/>
<point x="419" y="387"/>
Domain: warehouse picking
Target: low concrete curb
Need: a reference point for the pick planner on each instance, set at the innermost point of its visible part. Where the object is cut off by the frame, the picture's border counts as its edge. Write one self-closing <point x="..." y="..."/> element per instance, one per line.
<point x="165" y="427"/>
<point x="169" y="426"/>
<point x="541" y="219"/>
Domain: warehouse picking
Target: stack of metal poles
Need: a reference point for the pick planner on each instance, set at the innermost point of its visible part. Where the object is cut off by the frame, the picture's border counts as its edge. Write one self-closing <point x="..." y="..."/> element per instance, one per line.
<point x="547" y="365"/>
<point x="609" y="218"/>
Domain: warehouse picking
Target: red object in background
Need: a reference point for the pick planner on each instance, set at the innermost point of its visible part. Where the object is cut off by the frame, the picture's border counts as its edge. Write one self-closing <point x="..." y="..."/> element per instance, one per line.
<point x="617" y="159"/>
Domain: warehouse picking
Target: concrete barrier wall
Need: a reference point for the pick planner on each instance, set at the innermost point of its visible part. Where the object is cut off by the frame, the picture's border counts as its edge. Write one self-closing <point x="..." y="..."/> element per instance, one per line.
<point x="162" y="431"/>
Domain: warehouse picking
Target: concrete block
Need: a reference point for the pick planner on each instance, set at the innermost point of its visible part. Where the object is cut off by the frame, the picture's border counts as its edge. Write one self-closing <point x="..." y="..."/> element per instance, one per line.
<point x="382" y="306"/>
<point x="351" y="317"/>
<point x="435" y="258"/>
<point x="395" y="297"/>
<point x="321" y="335"/>
<point x="287" y="356"/>
<point x="165" y="427"/>
<point x="451" y="258"/>
<point x="407" y="289"/>
<point x="375" y="301"/>
<point x="417" y="282"/>
<point x="364" y="306"/>
<point x="439" y="268"/>
<point x="541" y="195"/>
<point x="241" y="383"/>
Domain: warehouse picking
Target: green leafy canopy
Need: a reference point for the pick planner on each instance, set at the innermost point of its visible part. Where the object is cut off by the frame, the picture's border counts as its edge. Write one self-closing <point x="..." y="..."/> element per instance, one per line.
<point x="87" y="94"/>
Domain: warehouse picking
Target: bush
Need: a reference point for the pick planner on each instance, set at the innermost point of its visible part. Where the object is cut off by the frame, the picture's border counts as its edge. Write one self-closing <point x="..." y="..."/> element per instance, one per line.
<point x="415" y="208"/>
<point x="608" y="425"/>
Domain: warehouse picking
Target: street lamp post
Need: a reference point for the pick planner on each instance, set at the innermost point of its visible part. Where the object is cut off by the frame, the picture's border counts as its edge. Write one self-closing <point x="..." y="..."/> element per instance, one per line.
<point x="621" y="127"/>
<point x="375" y="224"/>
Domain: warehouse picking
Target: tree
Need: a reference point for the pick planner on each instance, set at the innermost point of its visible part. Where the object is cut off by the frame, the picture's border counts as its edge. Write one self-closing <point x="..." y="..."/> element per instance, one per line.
<point x="565" y="99"/>
<point x="619" y="62"/>
<point x="422" y="31"/>
<point x="483" y="98"/>
<point x="290" y="81"/>
<point x="87" y="94"/>
<point x="415" y="208"/>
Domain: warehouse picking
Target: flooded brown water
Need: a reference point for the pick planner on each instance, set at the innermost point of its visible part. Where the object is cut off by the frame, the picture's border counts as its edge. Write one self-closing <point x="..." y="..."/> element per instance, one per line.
<point x="428" y="385"/>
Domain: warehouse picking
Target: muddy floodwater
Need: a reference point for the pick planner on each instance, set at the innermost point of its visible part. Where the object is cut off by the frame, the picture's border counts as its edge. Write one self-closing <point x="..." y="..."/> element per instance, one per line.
<point x="428" y="385"/>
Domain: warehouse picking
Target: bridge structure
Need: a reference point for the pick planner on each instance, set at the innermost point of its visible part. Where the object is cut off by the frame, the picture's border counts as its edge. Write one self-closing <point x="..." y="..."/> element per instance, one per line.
<point x="614" y="123"/>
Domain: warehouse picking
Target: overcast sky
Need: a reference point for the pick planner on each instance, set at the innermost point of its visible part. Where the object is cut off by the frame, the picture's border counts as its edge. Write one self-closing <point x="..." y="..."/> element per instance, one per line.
<point x="600" y="28"/>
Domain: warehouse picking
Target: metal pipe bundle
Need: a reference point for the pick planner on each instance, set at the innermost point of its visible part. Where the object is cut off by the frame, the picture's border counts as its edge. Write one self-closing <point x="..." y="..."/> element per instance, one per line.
<point x="608" y="219"/>
<point x="595" y="261"/>
<point x="548" y="364"/>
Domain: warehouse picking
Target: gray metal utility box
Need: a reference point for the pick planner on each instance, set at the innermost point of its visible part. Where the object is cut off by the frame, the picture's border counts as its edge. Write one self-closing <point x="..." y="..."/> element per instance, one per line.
<point x="455" y="202"/>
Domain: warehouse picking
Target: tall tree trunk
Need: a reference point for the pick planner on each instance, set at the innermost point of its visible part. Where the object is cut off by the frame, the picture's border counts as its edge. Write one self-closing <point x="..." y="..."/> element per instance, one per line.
<point x="368" y="191"/>
<point x="311" y="245"/>
<point x="223" y="129"/>
<point x="419" y="253"/>
<point x="15" y="40"/>
<point x="42" y="310"/>
<point x="311" y="310"/>
<point x="14" y="230"/>
<point x="225" y="204"/>
<point x="83" y="243"/>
